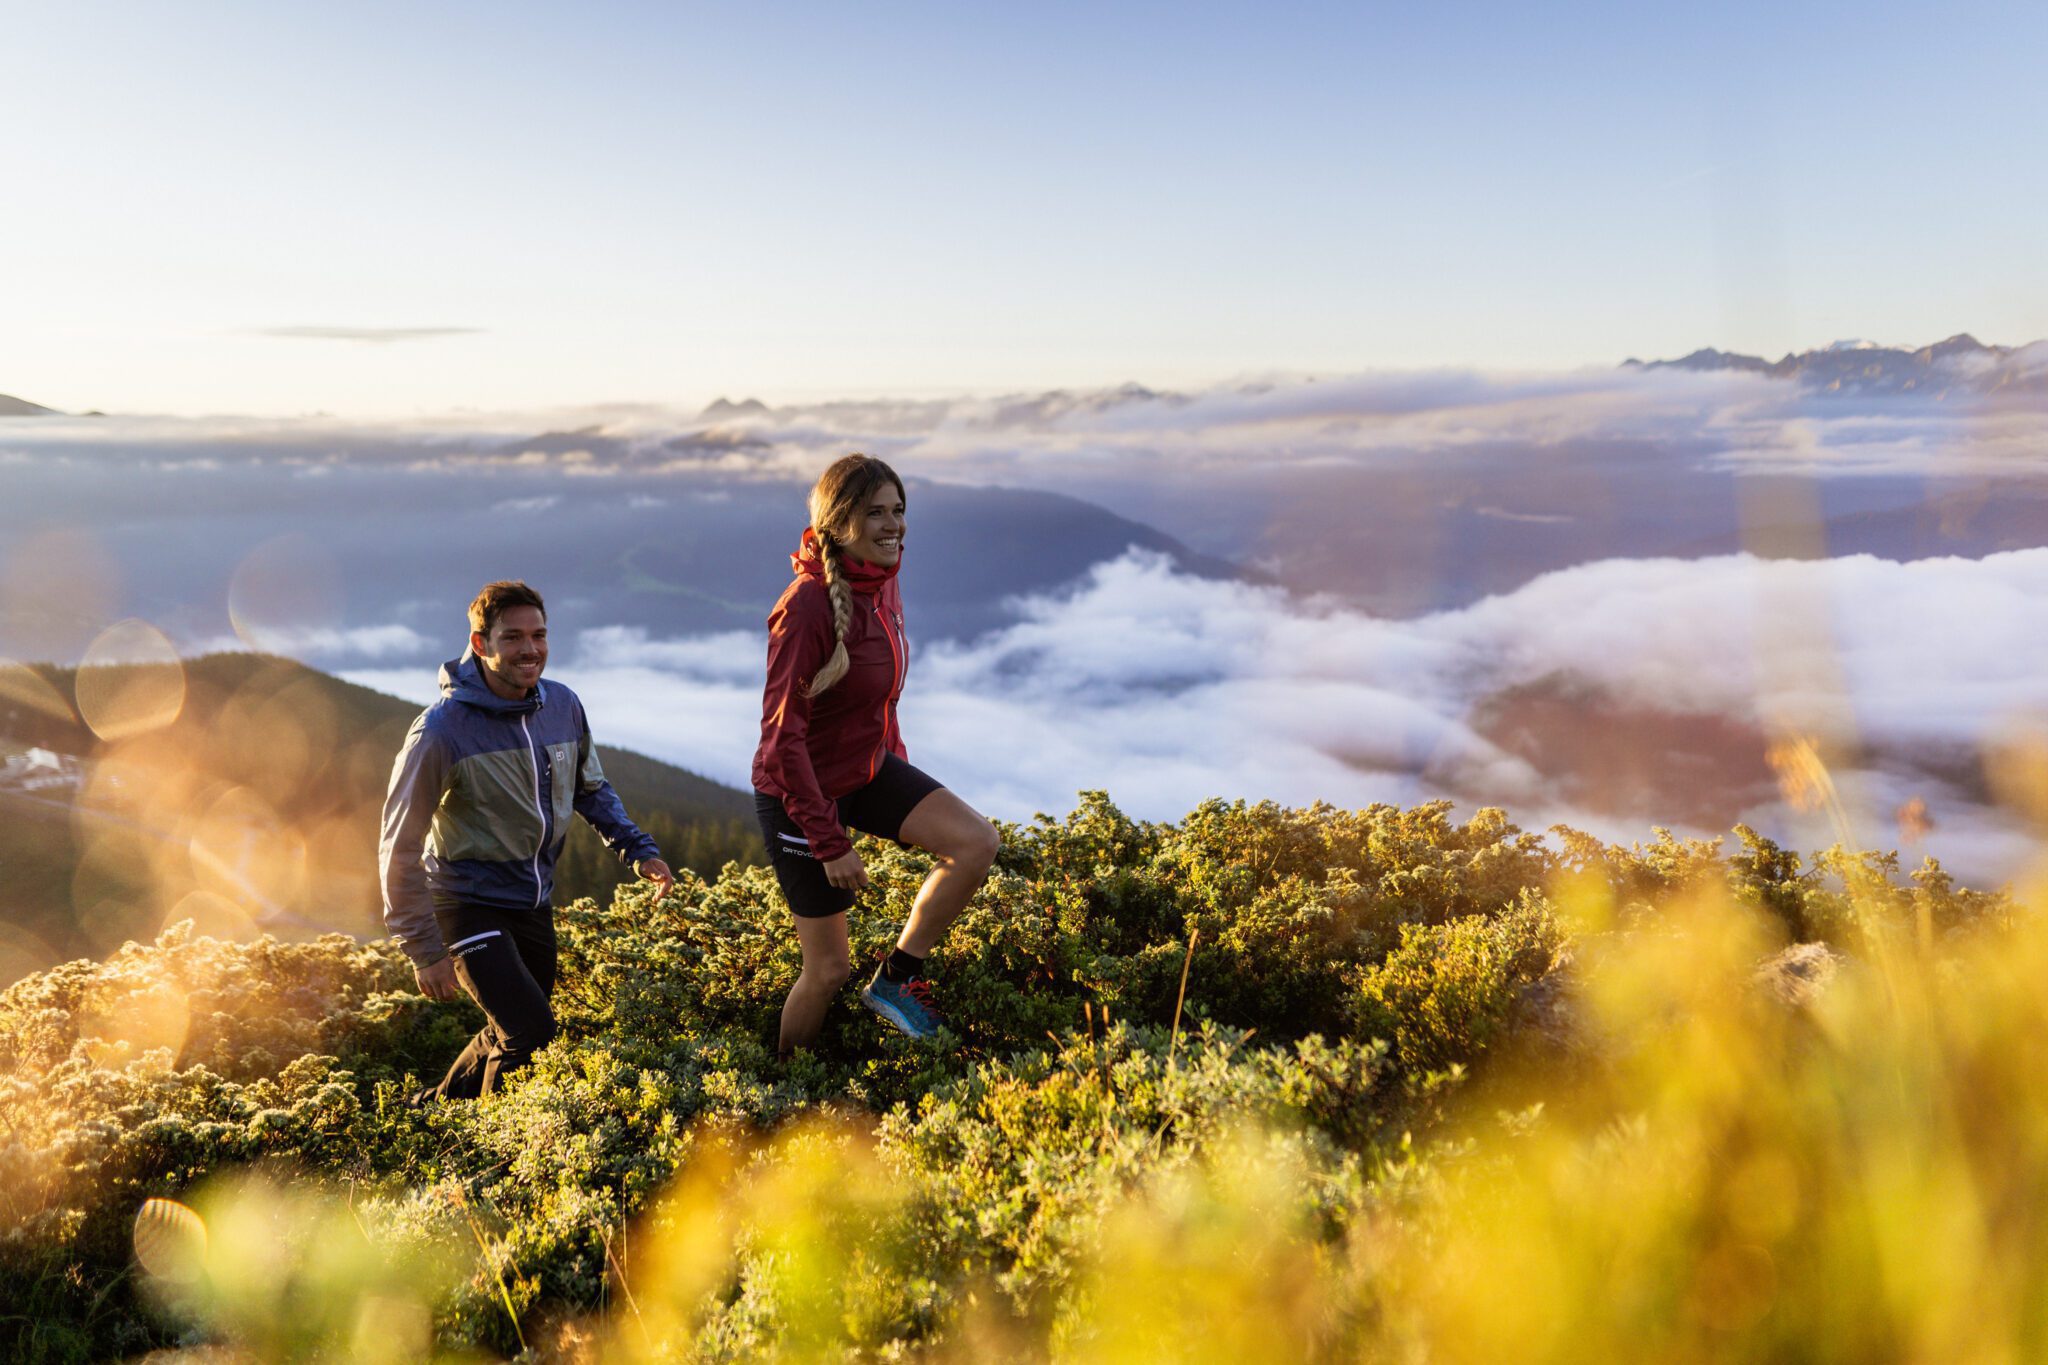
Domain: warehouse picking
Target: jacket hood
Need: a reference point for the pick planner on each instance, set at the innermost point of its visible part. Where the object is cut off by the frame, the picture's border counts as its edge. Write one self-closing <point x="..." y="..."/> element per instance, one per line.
<point x="462" y="680"/>
<point x="863" y="577"/>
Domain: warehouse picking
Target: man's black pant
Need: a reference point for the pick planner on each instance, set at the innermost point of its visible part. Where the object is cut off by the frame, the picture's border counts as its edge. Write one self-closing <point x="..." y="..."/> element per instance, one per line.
<point x="505" y="959"/>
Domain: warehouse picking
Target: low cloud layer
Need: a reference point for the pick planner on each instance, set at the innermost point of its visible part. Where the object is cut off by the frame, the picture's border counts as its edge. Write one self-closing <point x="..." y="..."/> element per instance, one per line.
<point x="301" y="642"/>
<point x="1406" y="494"/>
<point x="372" y="336"/>
<point x="1598" y="597"/>
<point x="1731" y="418"/>
<point x="1166" y="689"/>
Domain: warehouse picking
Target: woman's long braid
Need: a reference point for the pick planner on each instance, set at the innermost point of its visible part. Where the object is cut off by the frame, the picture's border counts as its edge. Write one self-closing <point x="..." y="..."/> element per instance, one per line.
<point x="842" y="613"/>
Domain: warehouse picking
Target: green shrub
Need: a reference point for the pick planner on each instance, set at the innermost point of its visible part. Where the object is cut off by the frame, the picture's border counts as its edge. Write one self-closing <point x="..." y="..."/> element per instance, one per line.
<point x="1017" y="1163"/>
<point x="1449" y="991"/>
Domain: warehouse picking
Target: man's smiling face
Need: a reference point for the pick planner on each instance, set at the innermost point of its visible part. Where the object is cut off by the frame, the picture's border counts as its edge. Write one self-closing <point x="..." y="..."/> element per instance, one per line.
<point x="514" y="652"/>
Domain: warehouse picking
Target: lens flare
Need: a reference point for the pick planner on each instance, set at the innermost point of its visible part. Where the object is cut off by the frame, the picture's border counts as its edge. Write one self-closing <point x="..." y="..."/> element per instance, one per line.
<point x="150" y="1020"/>
<point x="279" y="742"/>
<point x="213" y="916"/>
<point x="1802" y="778"/>
<point x="295" y="1272"/>
<point x="25" y="692"/>
<point x="284" y="593"/>
<point x="57" y="589"/>
<point x="2017" y="764"/>
<point x="1915" y="820"/>
<point x="130" y="681"/>
<point x="255" y="795"/>
<point x="244" y="853"/>
<point x="1806" y="784"/>
<point x="170" y="1241"/>
<point x="113" y="889"/>
<point x="21" y="952"/>
<point x="391" y="1328"/>
<point x="798" y="1211"/>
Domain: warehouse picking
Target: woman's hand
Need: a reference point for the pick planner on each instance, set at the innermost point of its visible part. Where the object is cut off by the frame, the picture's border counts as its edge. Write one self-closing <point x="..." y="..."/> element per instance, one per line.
<point x="846" y="872"/>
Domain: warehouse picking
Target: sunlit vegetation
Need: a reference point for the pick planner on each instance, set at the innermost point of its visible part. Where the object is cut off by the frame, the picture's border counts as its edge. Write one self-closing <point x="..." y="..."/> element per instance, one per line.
<point x="1263" y="1085"/>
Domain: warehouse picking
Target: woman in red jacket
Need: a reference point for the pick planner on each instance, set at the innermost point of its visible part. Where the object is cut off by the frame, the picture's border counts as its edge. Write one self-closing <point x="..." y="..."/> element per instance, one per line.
<point x="831" y="756"/>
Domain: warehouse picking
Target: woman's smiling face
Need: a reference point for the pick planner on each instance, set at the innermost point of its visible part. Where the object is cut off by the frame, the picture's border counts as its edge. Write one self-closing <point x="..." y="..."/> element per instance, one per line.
<point x="876" y="532"/>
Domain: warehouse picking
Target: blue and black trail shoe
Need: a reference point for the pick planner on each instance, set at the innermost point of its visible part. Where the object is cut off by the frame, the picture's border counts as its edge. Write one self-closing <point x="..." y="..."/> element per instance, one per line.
<point x="906" y="1004"/>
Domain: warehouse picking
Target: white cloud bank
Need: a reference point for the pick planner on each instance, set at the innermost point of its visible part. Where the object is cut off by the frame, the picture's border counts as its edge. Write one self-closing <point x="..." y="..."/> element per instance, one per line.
<point x="314" y="642"/>
<point x="1728" y="419"/>
<point x="1166" y="689"/>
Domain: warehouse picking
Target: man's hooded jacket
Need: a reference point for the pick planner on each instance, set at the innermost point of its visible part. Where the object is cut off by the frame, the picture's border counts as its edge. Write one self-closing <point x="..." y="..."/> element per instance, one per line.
<point x="480" y="801"/>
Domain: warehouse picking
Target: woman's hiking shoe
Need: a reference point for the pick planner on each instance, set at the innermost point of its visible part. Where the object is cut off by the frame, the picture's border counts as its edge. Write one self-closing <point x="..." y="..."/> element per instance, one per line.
<point x="906" y="1004"/>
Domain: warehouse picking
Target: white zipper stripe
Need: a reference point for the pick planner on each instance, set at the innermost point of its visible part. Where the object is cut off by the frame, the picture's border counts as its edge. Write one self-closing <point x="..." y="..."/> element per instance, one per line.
<point x="541" y="845"/>
<point x="792" y="839"/>
<point x="475" y="938"/>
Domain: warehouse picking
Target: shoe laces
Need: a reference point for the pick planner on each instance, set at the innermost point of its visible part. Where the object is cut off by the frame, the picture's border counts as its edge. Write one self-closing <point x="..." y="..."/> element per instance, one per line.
<point x="920" y="990"/>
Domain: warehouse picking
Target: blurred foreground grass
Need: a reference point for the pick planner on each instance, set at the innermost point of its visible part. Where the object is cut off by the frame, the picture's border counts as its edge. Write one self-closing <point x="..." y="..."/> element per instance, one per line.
<point x="1442" y="1092"/>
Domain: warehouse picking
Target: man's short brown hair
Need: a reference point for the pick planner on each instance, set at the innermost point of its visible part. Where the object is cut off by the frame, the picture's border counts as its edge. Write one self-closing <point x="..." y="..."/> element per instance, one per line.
<point x="495" y="597"/>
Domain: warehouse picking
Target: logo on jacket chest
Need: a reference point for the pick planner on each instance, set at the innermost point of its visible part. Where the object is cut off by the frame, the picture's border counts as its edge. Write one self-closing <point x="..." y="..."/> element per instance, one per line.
<point x="562" y="762"/>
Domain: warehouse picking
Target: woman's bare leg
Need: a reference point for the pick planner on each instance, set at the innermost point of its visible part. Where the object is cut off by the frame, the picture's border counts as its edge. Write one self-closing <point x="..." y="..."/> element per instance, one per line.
<point x="825" y="970"/>
<point x="965" y="846"/>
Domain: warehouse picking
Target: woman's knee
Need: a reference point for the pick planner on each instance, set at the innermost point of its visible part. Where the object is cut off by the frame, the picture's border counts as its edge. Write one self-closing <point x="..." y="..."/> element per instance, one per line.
<point x="977" y="851"/>
<point x="829" y="973"/>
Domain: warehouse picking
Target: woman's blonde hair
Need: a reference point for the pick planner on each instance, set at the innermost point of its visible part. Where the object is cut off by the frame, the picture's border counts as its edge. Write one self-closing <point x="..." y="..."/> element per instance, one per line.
<point x="840" y="495"/>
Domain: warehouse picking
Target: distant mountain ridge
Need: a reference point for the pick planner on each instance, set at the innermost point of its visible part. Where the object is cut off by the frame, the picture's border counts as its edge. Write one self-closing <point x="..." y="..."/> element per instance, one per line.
<point x="1961" y="363"/>
<point x="725" y="407"/>
<point x="11" y="406"/>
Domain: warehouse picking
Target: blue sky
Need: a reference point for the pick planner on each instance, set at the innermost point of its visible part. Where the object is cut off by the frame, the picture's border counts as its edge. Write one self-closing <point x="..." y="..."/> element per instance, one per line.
<point x="664" y="203"/>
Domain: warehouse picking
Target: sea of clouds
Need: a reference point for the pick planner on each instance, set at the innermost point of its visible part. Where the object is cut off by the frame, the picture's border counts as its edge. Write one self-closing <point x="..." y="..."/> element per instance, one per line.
<point x="1608" y="500"/>
<point x="1165" y="689"/>
<point x="1730" y="416"/>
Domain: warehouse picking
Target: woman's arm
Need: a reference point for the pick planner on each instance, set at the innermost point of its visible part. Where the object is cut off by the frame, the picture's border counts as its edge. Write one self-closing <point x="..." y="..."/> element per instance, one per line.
<point x="799" y="641"/>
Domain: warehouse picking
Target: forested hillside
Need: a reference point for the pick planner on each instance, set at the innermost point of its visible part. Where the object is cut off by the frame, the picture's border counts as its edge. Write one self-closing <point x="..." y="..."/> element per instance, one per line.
<point x="1264" y="1085"/>
<point x="246" y="789"/>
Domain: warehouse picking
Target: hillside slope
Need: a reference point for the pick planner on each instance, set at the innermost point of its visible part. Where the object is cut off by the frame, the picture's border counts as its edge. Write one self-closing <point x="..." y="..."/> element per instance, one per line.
<point x="256" y="808"/>
<point x="11" y="406"/>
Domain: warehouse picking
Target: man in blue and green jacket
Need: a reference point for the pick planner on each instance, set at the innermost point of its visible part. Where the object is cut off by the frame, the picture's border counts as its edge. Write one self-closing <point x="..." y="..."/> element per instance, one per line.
<point x="477" y="814"/>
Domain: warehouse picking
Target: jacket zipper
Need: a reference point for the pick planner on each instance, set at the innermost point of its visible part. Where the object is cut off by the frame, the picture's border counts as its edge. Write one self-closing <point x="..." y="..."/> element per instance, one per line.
<point x="534" y="754"/>
<point x="895" y="691"/>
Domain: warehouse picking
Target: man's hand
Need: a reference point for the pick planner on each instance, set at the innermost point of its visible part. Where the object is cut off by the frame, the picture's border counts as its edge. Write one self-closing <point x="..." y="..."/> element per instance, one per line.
<point x="846" y="873"/>
<point x="656" y="871"/>
<point x="437" y="980"/>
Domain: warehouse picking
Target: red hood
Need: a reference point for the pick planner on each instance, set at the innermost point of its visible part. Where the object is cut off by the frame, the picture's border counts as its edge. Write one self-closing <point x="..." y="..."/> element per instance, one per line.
<point x="863" y="577"/>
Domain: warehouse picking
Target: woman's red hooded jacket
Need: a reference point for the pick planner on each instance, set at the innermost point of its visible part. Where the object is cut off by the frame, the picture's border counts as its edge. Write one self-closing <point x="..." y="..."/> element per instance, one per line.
<point x="815" y="750"/>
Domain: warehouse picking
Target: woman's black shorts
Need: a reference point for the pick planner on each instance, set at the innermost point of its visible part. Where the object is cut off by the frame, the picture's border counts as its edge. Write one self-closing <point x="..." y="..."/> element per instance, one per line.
<point x="879" y="809"/>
